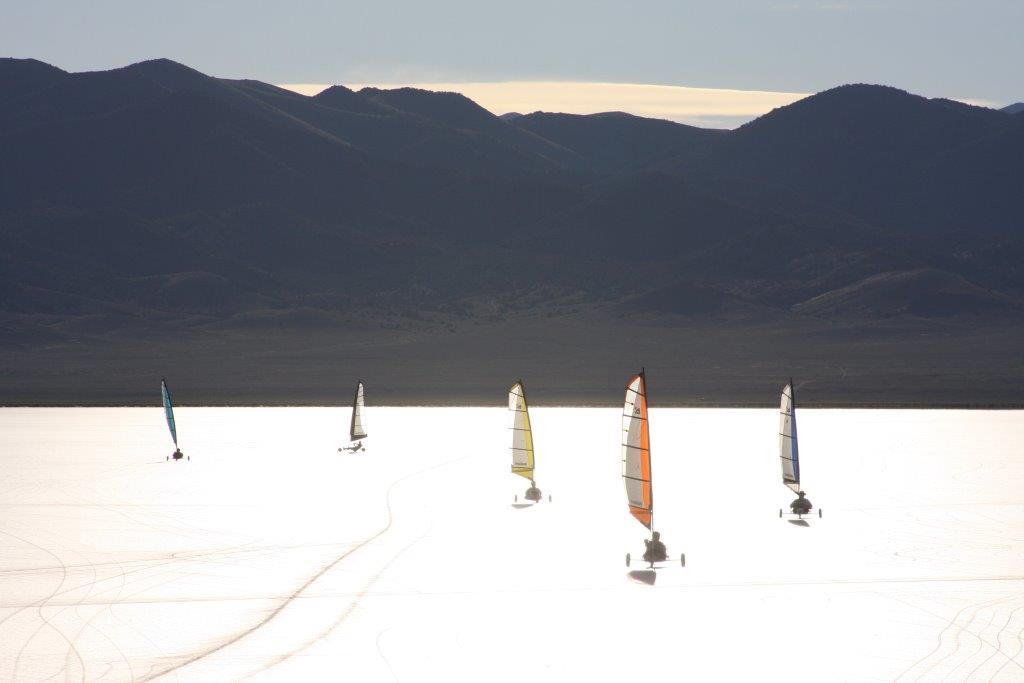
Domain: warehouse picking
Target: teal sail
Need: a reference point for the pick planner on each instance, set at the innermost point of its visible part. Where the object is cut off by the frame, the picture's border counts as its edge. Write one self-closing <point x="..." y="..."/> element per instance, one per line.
<point x="169" y="410"/>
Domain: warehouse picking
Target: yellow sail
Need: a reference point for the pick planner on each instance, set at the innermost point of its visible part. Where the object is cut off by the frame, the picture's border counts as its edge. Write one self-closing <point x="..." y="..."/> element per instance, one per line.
<point x="522" y="436"/>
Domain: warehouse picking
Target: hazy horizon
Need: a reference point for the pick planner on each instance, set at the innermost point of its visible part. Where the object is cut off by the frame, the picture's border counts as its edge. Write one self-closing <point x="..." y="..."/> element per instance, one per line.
<point x="933" y="49"/>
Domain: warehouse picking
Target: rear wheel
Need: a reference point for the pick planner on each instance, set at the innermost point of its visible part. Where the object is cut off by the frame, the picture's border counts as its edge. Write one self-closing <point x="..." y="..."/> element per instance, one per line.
<point x="682" y="560"/>
<point x="819" y="513"/>
<point x="627" y="559"/>
<point x="549" y="497"/>
<point x="780" y="513"/>
<point x="515" y="498"/>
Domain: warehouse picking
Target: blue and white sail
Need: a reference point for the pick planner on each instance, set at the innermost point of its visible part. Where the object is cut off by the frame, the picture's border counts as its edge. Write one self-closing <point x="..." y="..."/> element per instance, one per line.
<point x="789" y="450"/>
<point x="169" y="410"/>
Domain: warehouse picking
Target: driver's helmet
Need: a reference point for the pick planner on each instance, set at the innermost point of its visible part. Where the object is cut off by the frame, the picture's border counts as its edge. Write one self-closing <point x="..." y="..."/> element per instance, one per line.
<point x="657" y="535"/>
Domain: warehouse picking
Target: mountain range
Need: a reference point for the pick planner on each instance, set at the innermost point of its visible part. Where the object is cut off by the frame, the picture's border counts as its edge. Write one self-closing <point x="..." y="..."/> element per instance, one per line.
<point x="153" y="203"/>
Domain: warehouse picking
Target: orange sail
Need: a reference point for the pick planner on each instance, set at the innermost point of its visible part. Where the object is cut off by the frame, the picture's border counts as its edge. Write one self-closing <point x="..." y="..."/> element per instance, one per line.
<point x="636" y="451"/>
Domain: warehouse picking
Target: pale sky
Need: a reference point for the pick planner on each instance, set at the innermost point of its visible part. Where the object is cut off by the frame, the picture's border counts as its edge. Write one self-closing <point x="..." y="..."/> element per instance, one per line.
<point x="962" y="49"/>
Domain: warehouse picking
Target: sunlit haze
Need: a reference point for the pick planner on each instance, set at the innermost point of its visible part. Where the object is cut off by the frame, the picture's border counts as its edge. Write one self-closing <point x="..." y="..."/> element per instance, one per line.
<point x="709" y="107"/>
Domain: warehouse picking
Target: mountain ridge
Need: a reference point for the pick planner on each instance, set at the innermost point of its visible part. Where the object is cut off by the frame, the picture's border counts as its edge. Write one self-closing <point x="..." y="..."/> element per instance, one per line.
<point x="155" y="198"/>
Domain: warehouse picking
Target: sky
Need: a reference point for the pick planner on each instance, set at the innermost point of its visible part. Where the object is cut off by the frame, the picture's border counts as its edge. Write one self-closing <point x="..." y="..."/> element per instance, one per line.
<point x="968" y="50"/>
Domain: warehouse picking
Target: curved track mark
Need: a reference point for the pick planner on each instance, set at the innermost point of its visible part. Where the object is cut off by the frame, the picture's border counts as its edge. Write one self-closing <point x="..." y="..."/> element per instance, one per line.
<point x="40" y="605"/>
<point x="383" y="656"/>
<point x="301" y="589"/>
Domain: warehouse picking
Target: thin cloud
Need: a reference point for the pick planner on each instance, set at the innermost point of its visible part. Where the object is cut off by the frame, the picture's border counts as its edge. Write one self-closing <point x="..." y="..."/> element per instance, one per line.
<point x="715" y="107"/>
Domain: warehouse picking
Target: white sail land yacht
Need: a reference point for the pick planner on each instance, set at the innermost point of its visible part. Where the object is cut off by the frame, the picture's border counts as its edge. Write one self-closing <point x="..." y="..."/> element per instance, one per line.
<point x="357" y="425"/>
<point x="789" y="454"/>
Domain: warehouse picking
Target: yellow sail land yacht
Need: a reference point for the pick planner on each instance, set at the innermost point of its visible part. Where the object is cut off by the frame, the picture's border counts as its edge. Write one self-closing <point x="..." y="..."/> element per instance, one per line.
<point x="522" y="441"/>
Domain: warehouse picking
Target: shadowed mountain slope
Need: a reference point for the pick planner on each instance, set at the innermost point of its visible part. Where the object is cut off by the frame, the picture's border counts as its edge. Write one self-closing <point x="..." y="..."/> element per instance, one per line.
<point x="924" y="292"/>
<point x="617" y="142"/>
<point x="156" y="200"/>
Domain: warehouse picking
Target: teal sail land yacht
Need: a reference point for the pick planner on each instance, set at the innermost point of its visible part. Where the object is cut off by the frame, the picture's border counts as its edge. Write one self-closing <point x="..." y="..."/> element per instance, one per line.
<point x="169" y="414"/>
<point x="789" y="454"/>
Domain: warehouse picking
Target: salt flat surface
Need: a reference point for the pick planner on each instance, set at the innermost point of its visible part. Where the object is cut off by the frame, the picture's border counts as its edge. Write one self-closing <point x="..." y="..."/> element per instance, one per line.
<point x="270" y="555"/>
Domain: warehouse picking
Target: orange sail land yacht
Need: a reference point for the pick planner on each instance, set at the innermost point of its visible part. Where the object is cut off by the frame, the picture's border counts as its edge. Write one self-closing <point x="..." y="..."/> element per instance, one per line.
<point x="636" y="468"/>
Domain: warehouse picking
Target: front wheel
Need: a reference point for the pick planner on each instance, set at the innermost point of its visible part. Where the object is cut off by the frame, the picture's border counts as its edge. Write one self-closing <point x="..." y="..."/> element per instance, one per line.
<point x="780" y="513"/>
<point x="627" y="559"/>
<point x="819" y="513"/>
<point x="549" y="497"/>
<point x="515" y="498"/>
<point x="682" y="560"/>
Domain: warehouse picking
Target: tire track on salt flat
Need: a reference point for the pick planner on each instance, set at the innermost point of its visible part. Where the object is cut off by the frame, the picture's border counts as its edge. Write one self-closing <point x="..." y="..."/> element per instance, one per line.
<point x="978" y="634"/>
<point x="999" y="644"/>
<point x="380" y="652"/>
<point x="951" y="628"/>
<point x="1013" y="659"/>
<point x="148" y="566"/>
<point x="108" y="609"/>
<point x="72" y="645"/>
<point x="41" y="604"/>
<point x="357" y="598"/>
<point x="966" y="628"/>
<point x="301" y="589"/>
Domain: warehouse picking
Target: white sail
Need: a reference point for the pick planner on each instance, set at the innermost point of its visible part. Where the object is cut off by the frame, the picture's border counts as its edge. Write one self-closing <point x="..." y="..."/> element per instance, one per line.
<point x="357" y="430"/>
<point x="789" y="451"/>
<point x="522" y="434"/>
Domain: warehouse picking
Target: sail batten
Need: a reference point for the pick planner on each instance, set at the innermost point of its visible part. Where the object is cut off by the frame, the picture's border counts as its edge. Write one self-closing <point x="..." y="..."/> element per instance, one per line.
<point x="522" y="433"/>
<point x="165" y="394"/>
<point x="789" y="450"/>
<point x="357" y="429"/>
<point x="636" y="452"/>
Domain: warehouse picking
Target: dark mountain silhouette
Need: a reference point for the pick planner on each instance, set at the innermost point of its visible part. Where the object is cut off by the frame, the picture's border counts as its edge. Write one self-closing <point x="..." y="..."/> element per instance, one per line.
<point x="153" y="203"/>
<point x="864" y="149"/>
<point x="458" y="111"/>
<point x="1015" y="108"/>
<point x="340" y="97"/>
<point x="408" y="137"/>
<point x="19" y="77"/>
